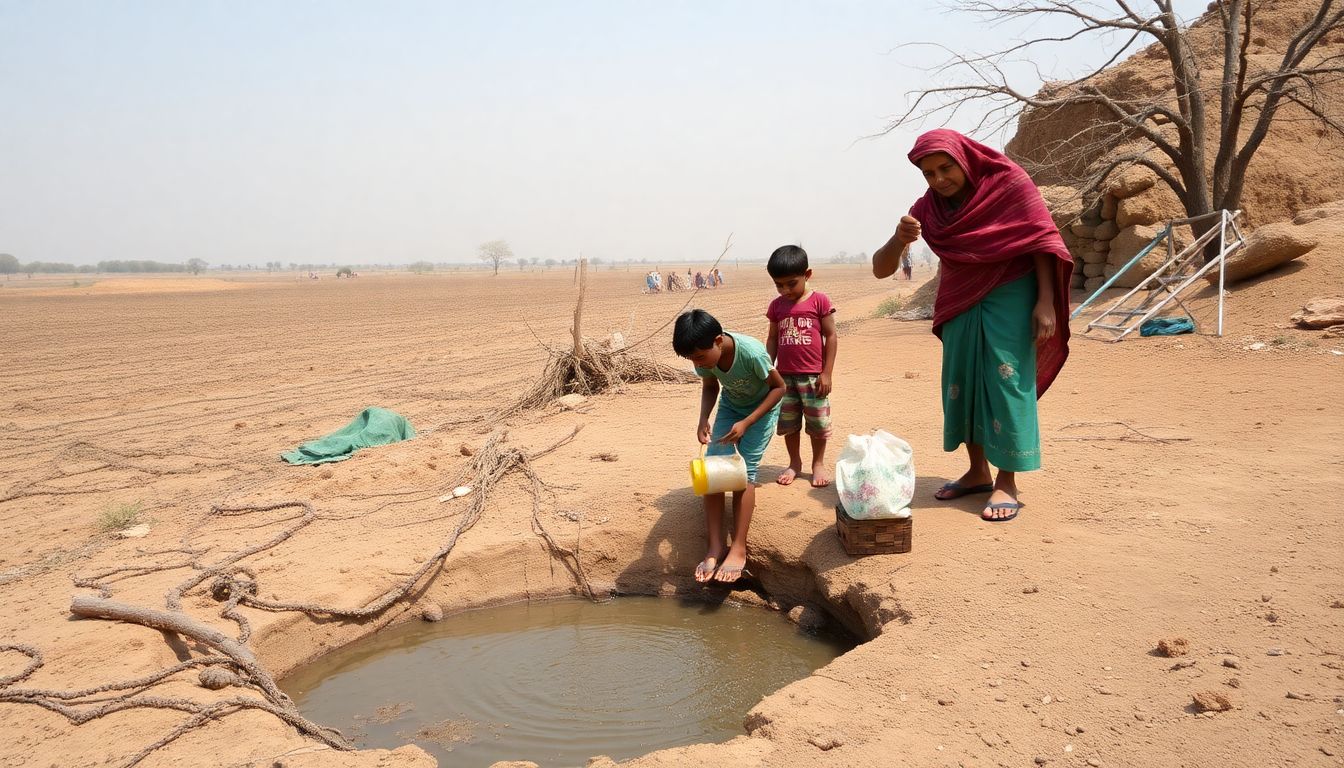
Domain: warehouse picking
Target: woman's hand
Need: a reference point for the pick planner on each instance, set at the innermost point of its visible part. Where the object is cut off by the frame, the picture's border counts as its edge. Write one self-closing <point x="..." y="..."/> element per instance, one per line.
<point x="1043" y="321"/>
<point x="907" y="231"/>
<point x="702" y="432"/>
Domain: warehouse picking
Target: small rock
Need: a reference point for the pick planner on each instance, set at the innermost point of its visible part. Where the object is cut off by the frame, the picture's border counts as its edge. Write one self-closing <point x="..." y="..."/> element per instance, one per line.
<point x="1231" y="662"/>
<point x="1176" y="646"/>
<point x="571" y="401"/>
<point x="1256" y="347"/>
<point x="1275" y="652"/>
<point x="912" y="374"/>
<point x="1271" y="617"/>
<point x="1000" y="698"/>
<point x="1273" y="569"/>
<point x="1104" y="691"/>
<point x="1212" y="701"/>
<point x="1094" y="762"/>
<point x="827" y="741"/>
<point x="1182" y="665"/>
<point x="1079" y="729"/>
<point x="1327" y="752"/>
<point x="1068" y="747"/>
<point x="1047" y="541"/>
<point x="135" y="532"/>
<point x="807" y="617"/>
<point x="216" y="678"/>
<point x="1299" y="696"/>
<point x="465" y="450"/>
<point x="945" y="701"/>
<point x="1040" y="760"/>
<point x="1033" y="589"/>
<point x="1046" y="699"/>
<point x="1266" y="598"/>
<point x="1337" y="604"/>
<point x="431" y="613"/>
<point x="1026" y="663"/>
<point x="1233" y="682"/>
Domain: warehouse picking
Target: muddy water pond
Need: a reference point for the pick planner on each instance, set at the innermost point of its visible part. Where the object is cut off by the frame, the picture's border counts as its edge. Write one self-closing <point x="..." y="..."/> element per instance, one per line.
<point x="557" y="682"/>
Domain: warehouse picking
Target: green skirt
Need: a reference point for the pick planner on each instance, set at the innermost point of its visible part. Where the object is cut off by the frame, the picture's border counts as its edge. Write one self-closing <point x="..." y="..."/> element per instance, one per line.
<point x="989" y="378"/>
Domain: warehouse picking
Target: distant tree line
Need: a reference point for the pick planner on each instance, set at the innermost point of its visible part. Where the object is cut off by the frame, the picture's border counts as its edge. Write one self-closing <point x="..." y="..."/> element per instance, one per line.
<point x="10" y="265"/>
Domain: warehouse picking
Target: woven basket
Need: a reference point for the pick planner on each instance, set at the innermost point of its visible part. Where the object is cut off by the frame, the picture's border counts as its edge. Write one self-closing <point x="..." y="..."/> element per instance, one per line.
<point x="884" y="536"/>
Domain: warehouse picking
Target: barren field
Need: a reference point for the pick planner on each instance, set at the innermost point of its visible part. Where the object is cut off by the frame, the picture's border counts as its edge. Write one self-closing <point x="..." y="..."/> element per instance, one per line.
<point x="1192" y="490"/>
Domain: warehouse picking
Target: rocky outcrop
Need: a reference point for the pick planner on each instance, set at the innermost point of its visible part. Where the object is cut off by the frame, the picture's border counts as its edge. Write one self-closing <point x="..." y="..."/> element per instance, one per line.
<point x="1328" y="211"/>
<point x="1270" y="246"/>
<point x="1297" y="172"/>
<point x="1321" y="313"/>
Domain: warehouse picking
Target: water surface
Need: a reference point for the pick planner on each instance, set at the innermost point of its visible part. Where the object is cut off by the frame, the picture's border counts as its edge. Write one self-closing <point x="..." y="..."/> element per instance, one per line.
<point x="558" y="682"/>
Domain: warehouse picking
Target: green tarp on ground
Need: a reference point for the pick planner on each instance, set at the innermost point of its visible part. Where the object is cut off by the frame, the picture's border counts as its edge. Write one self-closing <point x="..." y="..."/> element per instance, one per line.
<point x="373" y="426"/>
<point x="1167" y="326"/>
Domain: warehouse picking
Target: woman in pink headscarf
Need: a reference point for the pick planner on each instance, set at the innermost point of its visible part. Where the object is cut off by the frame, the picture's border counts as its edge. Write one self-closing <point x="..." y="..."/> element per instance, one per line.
<point x="1001" y="310"/>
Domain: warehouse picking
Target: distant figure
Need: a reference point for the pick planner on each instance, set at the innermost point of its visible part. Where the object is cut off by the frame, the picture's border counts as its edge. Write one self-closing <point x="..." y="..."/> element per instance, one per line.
<point x="651" y="283"/>
<point x="718" y="277"/>
<point x="906" y="266"/>
<point x="699" y="279"/>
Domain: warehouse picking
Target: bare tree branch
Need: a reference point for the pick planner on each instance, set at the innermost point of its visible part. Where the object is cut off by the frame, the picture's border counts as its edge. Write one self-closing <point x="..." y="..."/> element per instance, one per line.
<point x="1102" y="119"/>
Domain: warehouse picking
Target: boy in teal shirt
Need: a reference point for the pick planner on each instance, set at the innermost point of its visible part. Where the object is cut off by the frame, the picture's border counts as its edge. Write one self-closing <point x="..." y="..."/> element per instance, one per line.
<point x="739" y="366"/>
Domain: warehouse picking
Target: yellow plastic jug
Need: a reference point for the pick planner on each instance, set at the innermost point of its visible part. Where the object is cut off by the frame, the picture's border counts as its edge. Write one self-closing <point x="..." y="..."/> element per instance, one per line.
<point x="717" y="474"/>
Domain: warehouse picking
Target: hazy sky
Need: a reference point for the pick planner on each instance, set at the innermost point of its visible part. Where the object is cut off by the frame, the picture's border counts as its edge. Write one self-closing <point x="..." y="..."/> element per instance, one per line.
<point x="389" y="132"/>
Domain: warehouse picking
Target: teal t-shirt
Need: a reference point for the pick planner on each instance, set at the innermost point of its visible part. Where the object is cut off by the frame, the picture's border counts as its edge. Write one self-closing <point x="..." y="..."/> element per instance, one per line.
<point x="744" y="385"/>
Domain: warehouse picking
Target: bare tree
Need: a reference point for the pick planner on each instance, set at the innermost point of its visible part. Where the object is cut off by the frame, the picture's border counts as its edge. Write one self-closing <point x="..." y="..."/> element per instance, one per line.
<point x="494" y="253"/>
<point x="1170" y="137"/>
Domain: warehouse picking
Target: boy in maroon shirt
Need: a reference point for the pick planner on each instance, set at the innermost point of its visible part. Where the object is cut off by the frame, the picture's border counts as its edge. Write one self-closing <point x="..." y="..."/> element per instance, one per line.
<point x="802" y="341"/>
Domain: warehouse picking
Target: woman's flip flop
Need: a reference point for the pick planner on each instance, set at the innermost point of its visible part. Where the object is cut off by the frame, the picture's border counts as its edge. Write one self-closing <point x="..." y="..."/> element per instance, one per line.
<point x="1016" y="506"/>
<point x="958" y="490"/>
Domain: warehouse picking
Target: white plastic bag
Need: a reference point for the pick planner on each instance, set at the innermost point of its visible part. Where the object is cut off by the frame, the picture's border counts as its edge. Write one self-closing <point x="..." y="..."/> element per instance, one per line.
<point x="875" y="476"/>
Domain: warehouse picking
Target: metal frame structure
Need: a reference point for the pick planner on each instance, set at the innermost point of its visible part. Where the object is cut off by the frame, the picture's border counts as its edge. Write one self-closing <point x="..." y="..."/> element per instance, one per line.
<point x="1180" y="269"/>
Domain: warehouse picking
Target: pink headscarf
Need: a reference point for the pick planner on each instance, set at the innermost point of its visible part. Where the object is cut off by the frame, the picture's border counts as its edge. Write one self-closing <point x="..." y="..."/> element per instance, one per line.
<point x="990" y="239"/>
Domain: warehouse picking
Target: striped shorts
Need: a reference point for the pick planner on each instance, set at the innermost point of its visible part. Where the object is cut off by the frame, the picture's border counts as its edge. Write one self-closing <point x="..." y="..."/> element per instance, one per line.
<point x="802" y="406"/>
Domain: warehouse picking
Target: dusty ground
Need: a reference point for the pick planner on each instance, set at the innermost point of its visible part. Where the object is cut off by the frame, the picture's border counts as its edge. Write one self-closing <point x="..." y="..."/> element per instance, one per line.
<point x="990" y="644"/>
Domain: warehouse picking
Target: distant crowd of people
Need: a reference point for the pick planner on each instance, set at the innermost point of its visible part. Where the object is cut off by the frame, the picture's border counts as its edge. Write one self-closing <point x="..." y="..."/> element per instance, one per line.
<point x="653" y="281"/>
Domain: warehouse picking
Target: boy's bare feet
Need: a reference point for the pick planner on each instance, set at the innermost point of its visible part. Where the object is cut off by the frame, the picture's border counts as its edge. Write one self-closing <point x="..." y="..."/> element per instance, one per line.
<point x="789" y="475"/>
<point x="708" y="567"/>
<point x="820" y="477"/>
<point x="731" y="568"/>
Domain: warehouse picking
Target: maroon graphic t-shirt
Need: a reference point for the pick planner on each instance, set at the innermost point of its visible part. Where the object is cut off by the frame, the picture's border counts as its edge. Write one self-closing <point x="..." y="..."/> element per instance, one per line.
<point x="799" y="349"/>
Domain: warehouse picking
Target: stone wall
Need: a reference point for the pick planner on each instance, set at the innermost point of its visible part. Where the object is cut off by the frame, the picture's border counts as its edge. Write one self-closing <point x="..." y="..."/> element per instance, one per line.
<point x="1106" y="233"/>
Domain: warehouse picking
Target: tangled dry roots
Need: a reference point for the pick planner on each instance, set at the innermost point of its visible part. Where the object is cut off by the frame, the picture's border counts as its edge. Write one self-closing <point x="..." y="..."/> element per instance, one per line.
<point x="591" y="370"/>
<point x="231" y="664"/>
